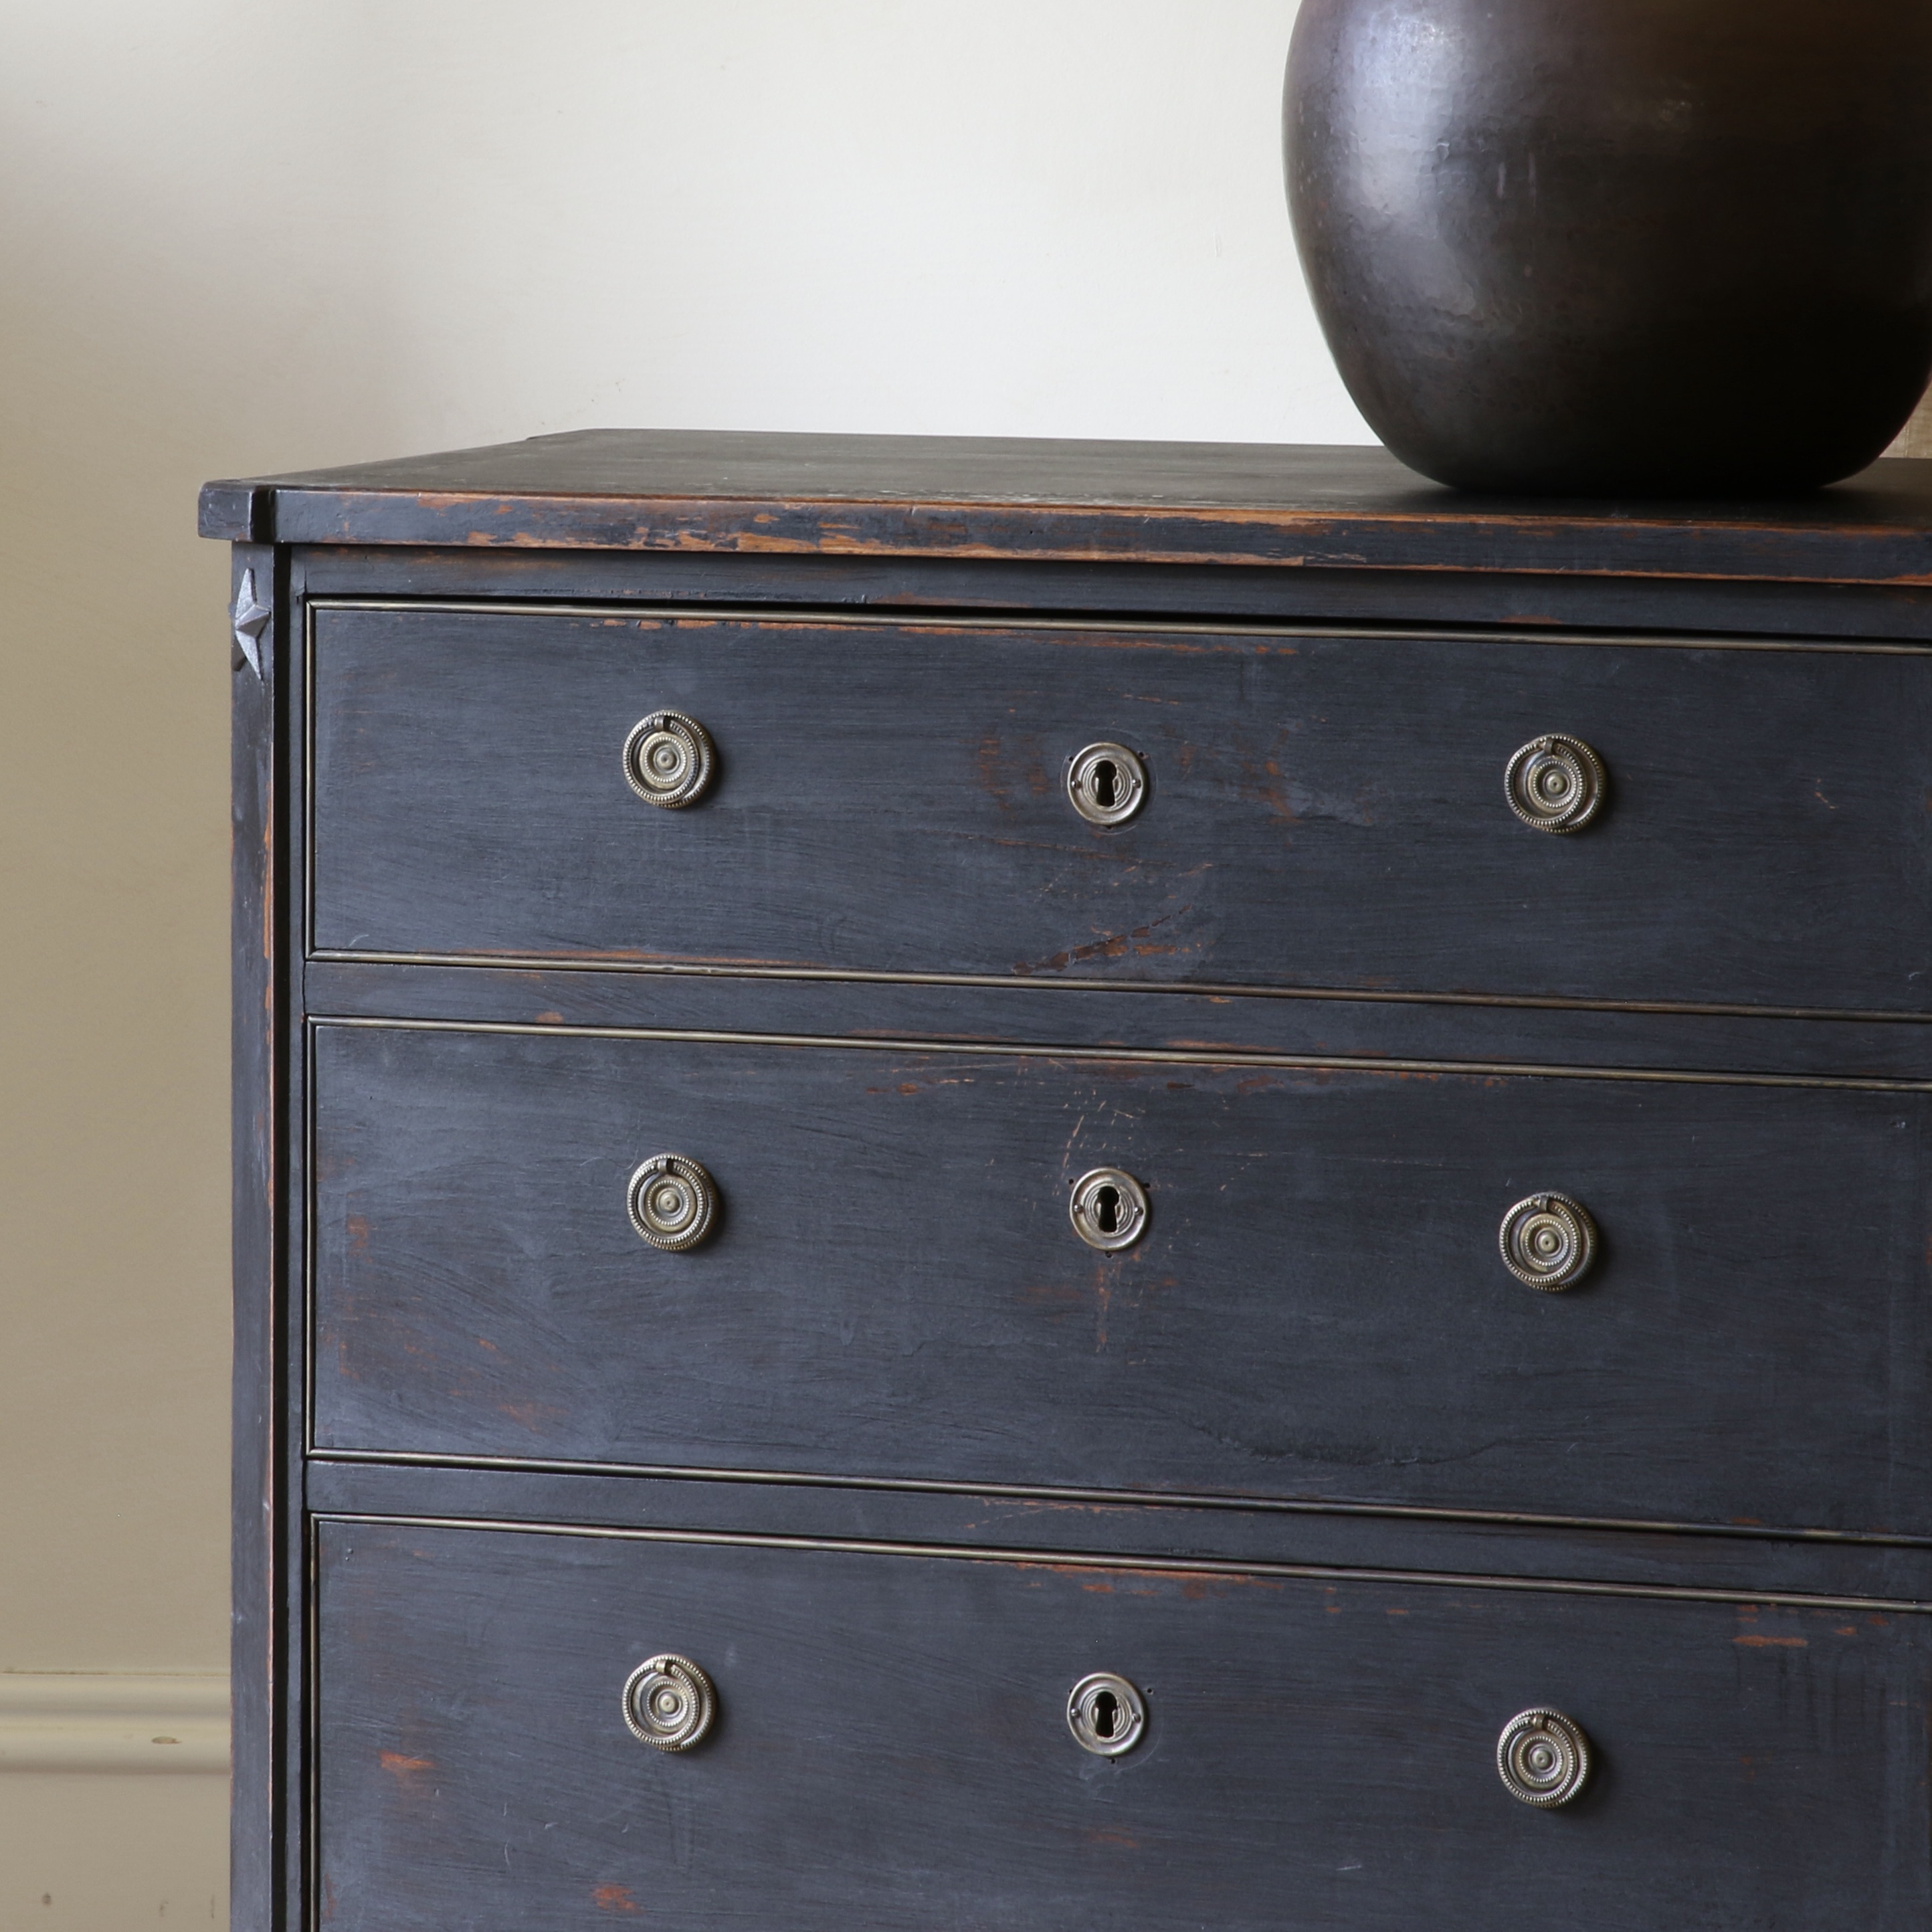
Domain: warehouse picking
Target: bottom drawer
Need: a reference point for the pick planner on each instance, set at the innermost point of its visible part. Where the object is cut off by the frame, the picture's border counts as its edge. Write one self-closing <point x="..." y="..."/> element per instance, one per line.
<point x="891" y="1747"/>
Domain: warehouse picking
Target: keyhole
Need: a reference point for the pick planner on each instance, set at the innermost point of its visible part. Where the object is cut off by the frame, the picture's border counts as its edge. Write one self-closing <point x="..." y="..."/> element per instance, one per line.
<point x="1106" y="784"/>
<point x="1107" y="1213"/>
<point x="1106" y="1713"/>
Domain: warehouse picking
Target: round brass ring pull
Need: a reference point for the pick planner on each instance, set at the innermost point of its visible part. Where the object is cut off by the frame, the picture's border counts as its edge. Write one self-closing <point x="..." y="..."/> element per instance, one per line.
<point x="669" y="759"/>
<point x="1109" y="1209"/>
<point x="669" y="1703"/>
<point x="1549" y="1241"/>
<point x="672" y="1202"/>
<point x="1106" y="784"/>
<point x="1556" y="784"/>
<point x="1106" y="1715"/>
<point x="1543" y="1758"/>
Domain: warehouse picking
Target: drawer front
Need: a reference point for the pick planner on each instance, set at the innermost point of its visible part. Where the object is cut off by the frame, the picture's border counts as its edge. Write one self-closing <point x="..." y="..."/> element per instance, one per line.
<point x="1317" y="1307"/>
<point x="890" y="1748"/>
<point x="1319" y="812"/>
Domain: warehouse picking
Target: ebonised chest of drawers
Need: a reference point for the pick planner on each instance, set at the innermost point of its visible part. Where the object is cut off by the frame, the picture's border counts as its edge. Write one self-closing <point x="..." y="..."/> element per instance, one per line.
<point x="1020" y="1185"/>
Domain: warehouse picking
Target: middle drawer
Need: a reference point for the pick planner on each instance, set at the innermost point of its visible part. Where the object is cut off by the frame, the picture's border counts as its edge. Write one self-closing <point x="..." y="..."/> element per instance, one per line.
<point x="1316" y="1307"/>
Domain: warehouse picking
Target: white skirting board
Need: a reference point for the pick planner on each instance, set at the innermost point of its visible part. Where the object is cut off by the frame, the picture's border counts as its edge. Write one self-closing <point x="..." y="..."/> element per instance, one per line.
<point x="113" y="1721"/>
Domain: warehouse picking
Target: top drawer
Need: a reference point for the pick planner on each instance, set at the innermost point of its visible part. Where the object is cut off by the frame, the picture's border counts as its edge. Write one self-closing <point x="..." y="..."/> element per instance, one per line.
<point x="1319" y="810"/>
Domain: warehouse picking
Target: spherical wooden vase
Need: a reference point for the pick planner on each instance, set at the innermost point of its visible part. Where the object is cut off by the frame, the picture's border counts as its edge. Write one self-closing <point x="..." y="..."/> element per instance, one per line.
<point x="1598" y="247"/>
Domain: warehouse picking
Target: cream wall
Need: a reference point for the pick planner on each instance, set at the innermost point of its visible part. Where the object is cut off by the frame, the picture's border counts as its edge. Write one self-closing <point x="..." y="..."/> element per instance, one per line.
<point x="243" y="235"/>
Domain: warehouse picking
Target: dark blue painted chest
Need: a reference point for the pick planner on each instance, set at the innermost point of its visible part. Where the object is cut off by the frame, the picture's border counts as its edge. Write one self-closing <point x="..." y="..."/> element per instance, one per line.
<point x="1034" y="1185"/>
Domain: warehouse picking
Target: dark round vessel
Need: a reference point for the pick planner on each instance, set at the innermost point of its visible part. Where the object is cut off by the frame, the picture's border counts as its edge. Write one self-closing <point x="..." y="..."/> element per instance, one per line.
<point x="1666" y="247"/>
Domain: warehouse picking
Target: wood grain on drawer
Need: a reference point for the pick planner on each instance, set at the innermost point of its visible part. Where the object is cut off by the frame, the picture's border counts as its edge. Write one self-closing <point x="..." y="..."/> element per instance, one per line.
<point x="1318" y="1308"/>
<point x="891" y="1748"/>
<point x="1321" y="811"/>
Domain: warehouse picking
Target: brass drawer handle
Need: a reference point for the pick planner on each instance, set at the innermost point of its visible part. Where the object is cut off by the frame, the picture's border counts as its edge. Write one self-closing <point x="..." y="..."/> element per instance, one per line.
<point x="1543" y="1758"/>
<point x="1109" y="1209"/>
<point x="1556" y="784"/>
<point x="1106" y="1715"/>
<point x="1549" y="1241"/>
<point x="1106" y="784"/>
<point x="669" y="1703"/>
<point x="672" y="1202"/>
<point x="669" y="759"/>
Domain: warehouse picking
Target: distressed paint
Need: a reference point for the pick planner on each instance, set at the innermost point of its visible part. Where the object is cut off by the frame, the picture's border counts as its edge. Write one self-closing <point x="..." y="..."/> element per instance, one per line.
<point x="1318" y="1309"/>
<point x="892" y="1748"/>
<point x="1324" y="813"/>
<point x="1748" y="1360"/>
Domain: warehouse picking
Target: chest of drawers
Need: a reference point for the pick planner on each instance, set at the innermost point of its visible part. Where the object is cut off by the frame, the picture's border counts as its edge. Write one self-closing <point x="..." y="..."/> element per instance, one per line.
<point x="1012" y="1185"/>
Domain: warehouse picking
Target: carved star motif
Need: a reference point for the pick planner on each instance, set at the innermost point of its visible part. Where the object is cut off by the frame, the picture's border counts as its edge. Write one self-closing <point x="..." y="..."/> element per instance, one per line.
<point x="251" y="619"/>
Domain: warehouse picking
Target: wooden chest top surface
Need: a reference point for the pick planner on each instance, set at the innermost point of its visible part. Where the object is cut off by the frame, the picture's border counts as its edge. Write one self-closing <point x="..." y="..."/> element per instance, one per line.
<point x="1333" y="506"/>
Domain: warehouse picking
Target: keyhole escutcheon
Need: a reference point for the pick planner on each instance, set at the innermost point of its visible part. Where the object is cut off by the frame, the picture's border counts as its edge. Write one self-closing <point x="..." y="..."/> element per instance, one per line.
<point x="1109" y="1209"/>
<point x="1105" y="1714"/>
<point x="1106" y="784"/>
